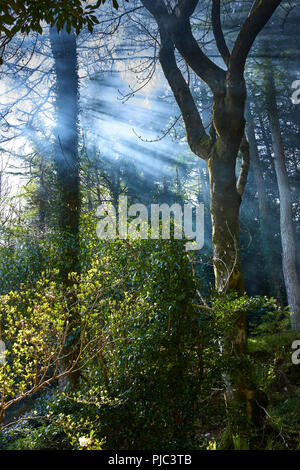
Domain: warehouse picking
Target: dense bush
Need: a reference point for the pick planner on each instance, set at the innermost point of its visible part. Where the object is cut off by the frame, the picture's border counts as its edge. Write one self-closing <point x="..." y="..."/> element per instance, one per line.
<point x="152" y="363"/>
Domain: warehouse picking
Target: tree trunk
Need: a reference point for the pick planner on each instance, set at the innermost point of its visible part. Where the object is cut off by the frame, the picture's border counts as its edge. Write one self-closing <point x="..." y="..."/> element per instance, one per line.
<point x="67" y="168"/>
<point x="266" y="223"/>
<point x="286" y="223"/>
<point x="225" y="205"/>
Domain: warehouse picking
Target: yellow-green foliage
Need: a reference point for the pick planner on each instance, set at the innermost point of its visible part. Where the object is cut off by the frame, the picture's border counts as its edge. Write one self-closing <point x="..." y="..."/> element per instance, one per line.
<point x="34" y="324"/>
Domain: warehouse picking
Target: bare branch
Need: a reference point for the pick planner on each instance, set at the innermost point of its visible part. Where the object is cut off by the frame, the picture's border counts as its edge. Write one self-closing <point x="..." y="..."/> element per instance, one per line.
<point x="218" y="32"/>
<point x="198" y="140"/>
<point x="179" y="30"/>
<point x="187" y="7"/>
<point x="251" y="28"/>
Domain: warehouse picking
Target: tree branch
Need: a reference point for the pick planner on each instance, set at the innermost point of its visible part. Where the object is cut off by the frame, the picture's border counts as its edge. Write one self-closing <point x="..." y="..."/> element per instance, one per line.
<point x="157" y="8"/>
<point x="260" y="14"/>
<point x="179" y="29"/>
<point x="184" y="41"/>
<point x="198" y="140"/>
<point x="218" y="32"/>
<point x="187" y="7"/>
<point x="255" y="4"/>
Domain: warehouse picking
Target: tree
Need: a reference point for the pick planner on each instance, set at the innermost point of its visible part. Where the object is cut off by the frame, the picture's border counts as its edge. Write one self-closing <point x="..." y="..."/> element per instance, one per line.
<point x="286" y="221"/>
<point x="66" y="148"/>
<point x="65" y="19"/>
<point x="265" y="215"/>
<point x="221" y="148"/>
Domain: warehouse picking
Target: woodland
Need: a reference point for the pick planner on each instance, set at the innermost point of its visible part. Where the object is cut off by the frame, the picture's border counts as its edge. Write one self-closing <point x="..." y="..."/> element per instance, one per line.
<point x="131" y="341"/>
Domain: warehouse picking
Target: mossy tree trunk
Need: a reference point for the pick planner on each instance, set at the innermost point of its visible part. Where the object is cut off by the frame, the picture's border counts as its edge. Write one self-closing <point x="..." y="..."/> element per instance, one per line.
<point x="225" y="205"/>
